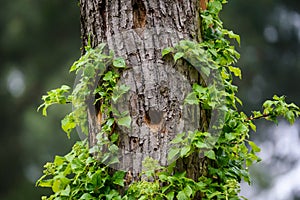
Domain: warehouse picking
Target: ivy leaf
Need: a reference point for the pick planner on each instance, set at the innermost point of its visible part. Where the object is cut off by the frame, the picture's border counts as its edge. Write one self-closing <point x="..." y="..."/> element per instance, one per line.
<point x="89" y="70"/>
<point x="191" y="99"/>
<point x="58" y="160"/>
<point x="184" y="151"/>
<point x="114" y="137"/>
<point x="232" y="35"/>
<point x="205" y="71"/>
<point x="119" y="63"/>
<point x="253" y="146"/>
<point x="230" y="136"/>
<point x="290" y="116"/>
<point x="188" y="190"/>
<point x="210" y="154"/>
<point x="215" y="6"/>
<point x="236" y="71"/>
<point x="170" y="196"/>
<point x="124" y="121"/>
<point x="86" y="196"/>
<point x="113" y="148"/>
<point x="199" y="89"/>
<point x="68" y="124"/>
<point x="119" y="91"/>
<point x="213" y="195"/>
<point x="201" y="145"/>
<point x="55" y="96"/>
<point x="118" y="178"/>
<point x="172" y="153"/>
<point x="60" y="183"/>
<point x="178" y="55"/>
<point x="182" y="196"/>
<point x="166" y="51"/>
<point x="252" y="126"/>
<point x="178" y="138"/>
<point x="108" y="76"/>
<point x="45" y="183"/>
<point x="66" y="191"/>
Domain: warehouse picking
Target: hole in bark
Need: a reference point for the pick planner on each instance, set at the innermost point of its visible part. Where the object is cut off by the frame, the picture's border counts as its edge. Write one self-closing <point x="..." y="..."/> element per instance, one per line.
<point x="139" y="14"/>
<point x="155" y="149"/>
<point x="134" y="143"/>
<point x="153" y="117"/>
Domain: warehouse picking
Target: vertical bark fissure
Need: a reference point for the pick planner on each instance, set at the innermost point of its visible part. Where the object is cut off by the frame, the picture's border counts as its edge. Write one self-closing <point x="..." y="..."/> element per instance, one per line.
<point x="102" y="11"/>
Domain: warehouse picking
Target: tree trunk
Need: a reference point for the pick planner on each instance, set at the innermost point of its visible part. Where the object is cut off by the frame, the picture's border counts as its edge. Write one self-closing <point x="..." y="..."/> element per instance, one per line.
<point x="138" y="31"/>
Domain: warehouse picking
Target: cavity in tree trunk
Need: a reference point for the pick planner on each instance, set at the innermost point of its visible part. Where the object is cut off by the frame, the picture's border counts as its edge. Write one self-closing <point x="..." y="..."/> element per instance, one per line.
<point x="138" y="31"/>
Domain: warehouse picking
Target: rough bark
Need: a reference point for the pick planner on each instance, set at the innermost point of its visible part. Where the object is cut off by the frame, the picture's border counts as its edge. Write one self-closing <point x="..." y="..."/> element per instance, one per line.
<point x="138" y="30"/>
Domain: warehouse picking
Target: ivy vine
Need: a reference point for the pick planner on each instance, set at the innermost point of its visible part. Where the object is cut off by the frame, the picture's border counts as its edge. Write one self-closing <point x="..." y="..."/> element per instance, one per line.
<point x="82" y="175"/>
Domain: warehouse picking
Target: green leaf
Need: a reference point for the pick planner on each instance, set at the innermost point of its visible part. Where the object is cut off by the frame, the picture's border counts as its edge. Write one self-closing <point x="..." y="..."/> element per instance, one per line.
<point x="252" y="126"/>
<point x="178" y="55"/>
<point x="108" y="76"/>
<point x="124" y="121"/>
<point x="182" y="196"/>
<point x="199" y="89"/>
<point x="178" y="138"/>
<point x="191" y="99"/>
<point x="253" y="146"/>
<point x="289" y="115"/>
<point x="119" y="91"/>
<point x="210" y="196"/>
<point x="170" y="196"/>
<point x="113" y="148"/>
<point x="114" y="137"/>
<point x="45" y="183"/>
<point x="232" y="35"/>
<point x="210" y="154"/>
<point x="236" y="71"/>
<point x="188" y="191"/>
<point x="123" y="89"/>
<point x="205" y="71"/>
<point x="66" y="191"/>
<point x="68" y="124"/>
<point x="275" y="97"/>
<point x="76" y="164"/>
<point x="86" y="196"/>
<point x="58" y="160"/>
<point x="60" y="183"/>
<point x="201" y="145"/>
<point x="230" y="136"/>
<point x="167" y="51"/>
<point x="89" y="71"/>
<point x="118" y="178"/>
<point x="172" y="153"/>
<point x="184" y="151"/>
<point x="119" y="63"/>
<point x="55" y="96"/>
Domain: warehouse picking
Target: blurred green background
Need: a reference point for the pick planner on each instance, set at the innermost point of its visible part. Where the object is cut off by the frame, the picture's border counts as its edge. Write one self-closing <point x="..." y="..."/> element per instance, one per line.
<point x="40" y="39"/>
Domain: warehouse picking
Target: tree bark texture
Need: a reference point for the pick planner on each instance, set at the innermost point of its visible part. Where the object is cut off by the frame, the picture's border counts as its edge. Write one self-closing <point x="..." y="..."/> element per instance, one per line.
<point x="138" y="31"/>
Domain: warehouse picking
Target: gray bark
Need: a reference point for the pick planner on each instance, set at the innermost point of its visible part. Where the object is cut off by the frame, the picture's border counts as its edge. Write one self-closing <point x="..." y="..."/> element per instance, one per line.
<point x="138" y="30"/>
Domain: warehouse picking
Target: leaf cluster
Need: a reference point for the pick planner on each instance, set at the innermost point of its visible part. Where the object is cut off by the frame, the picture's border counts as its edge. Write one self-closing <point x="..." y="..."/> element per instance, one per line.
<point x="93" y="66"/>
<point x="78" y="175"/>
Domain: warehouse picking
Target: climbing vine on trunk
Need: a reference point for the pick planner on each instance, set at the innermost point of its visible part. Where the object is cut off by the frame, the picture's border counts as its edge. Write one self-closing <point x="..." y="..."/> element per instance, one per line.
<point x="86" y="172"/>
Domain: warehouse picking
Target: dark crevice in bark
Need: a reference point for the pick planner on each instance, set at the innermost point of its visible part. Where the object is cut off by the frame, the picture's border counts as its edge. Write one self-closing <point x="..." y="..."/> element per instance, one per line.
<point x="139" y="14"/>
<point x="102" y="10"/>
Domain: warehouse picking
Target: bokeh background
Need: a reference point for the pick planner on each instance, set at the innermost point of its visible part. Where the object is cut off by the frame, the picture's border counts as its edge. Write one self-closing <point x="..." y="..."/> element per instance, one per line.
<point x="40" y="39"/>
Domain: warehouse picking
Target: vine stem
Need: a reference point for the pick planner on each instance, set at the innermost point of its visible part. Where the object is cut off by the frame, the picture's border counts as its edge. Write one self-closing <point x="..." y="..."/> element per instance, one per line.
<point x="257" y="117"/>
